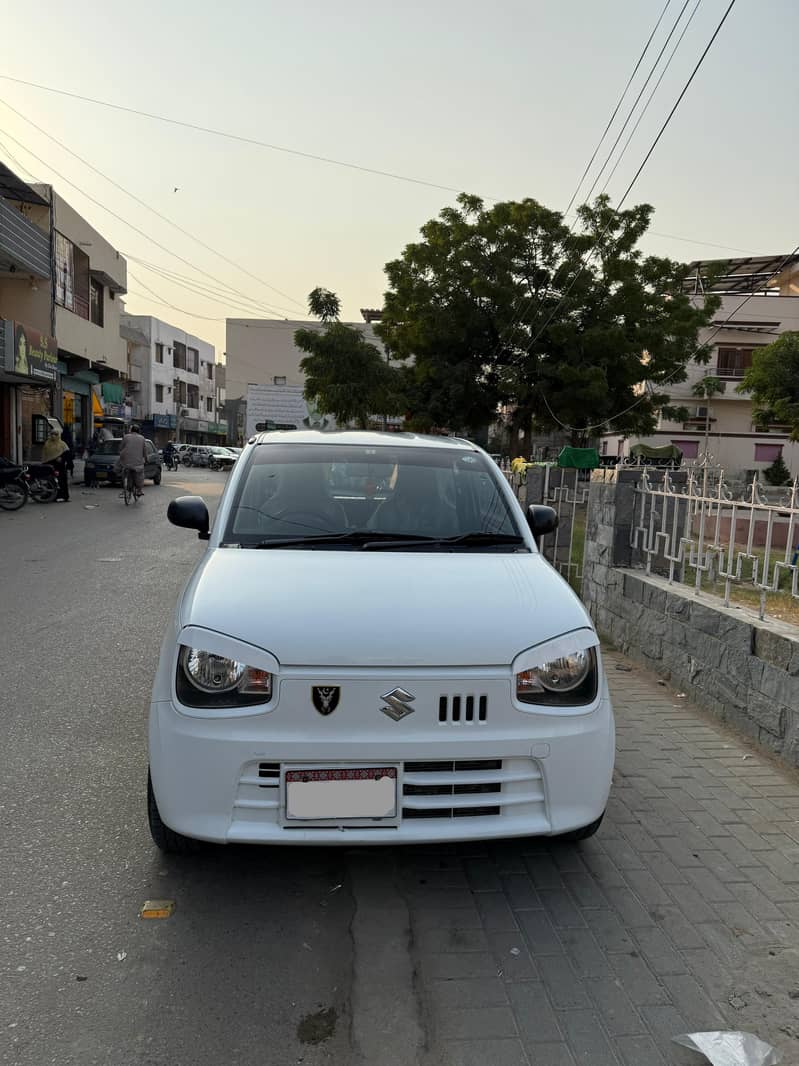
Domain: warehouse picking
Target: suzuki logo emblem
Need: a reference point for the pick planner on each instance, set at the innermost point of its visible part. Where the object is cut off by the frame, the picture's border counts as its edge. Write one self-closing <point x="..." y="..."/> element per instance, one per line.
<point x="397" y="702"/>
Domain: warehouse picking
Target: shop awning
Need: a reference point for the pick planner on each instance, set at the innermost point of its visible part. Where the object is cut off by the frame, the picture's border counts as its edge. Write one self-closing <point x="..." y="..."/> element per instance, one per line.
<point x="97" y="407"/>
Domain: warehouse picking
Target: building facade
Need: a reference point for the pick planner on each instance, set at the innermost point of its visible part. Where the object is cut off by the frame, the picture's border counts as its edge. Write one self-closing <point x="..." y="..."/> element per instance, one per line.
<point x="28" y="350"/>
<point x="172" y="379"/>
<point x="262" y="352"/>
<point x="757" y="305"/>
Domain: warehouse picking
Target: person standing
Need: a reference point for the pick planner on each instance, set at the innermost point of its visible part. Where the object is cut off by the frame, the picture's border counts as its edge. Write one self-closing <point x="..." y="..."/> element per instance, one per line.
<point x="66" y="436"/>
<point x="132" y="456"/>
<point x="54" y="452"/>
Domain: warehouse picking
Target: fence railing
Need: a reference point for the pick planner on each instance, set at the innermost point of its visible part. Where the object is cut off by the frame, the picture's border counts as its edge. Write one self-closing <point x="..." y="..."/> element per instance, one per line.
<point x="566" y="491"/>
<point x="697" y="532"/>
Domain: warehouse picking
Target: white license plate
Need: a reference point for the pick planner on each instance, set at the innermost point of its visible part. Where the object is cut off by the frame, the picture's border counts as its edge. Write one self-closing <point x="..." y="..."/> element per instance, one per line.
<point x="101" y="475"/>
<point x="323" y="794"/>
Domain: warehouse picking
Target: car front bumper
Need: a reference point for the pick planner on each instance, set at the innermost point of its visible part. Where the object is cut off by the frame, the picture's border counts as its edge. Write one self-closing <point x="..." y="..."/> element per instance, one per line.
<point x="514" y="774"/>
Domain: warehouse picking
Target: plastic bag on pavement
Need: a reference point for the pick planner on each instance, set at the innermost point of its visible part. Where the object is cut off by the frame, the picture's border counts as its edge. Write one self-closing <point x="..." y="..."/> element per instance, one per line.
<point x="731" y="1048"/>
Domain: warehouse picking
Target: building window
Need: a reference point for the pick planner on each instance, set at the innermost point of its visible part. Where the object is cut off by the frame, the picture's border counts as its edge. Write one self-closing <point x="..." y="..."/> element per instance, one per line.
<point x="689" y="448"/>
<point x="280" y="379"/>
<point x="159" y="393"/>
<point x="180" y="392"/>
<point x="209" y="405"/>
<point x="178" y="355"/>
<point x="159" y="352"/>
<point x="733" y="362"/>
<point x="71" y="276"/>
<point x="193" y="360"/>
<point x="604" y="447"/>
<point x="210" y="369"/>
<point x="194" y="396"/>
<point x="96" y="302"/>
<point x="767" y="453"/>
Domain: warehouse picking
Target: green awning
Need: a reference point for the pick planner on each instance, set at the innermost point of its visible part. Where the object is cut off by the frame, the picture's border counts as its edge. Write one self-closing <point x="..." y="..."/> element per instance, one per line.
<point x="578" y="458"/>
<point x="647" y="451"/>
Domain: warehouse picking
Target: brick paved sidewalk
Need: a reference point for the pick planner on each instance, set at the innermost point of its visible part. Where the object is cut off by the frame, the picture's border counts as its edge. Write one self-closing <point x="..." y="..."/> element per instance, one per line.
<point x="682" y="914"/>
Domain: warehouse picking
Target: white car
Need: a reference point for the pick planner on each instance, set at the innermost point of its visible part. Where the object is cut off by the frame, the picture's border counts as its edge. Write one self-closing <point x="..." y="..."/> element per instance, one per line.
<point x="373" y="651"/>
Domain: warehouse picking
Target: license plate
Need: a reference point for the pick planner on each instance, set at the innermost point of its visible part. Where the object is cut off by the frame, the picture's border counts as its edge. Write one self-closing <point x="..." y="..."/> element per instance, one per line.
<point x="101" y="475"/>
<point x="324" y="794"/>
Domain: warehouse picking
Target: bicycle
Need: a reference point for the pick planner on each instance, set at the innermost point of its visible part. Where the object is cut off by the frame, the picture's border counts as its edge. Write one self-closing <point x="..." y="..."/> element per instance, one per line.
<point x="129" y="491"/>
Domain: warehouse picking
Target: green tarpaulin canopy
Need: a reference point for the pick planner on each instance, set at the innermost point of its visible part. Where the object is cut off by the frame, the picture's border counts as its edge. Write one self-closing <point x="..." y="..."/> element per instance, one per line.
<point x="646" y="451"/>
<point x="578" y="458"/>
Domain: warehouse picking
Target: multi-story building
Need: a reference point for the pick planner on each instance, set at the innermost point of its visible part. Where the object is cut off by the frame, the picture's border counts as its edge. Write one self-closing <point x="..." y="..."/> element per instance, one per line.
<point x="757" y="305"/>
<point x="60" y="349"/>
<point x="172" y="382"/>
<point x="262" y="352"/>
<point x="28" y="351"/>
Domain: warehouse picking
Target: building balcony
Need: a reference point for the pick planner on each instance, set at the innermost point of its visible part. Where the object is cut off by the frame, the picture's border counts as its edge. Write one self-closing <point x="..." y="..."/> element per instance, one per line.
<point x="24" y="248"/>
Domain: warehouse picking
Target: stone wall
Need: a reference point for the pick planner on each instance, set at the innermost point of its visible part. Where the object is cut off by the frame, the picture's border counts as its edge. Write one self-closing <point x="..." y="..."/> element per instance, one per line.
<point x="744" y="670"/>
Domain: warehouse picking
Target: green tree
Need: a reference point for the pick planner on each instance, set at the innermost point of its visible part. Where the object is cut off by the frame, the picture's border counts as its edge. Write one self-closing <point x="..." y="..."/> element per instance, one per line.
<point x="345" y="375"/>
<point x="324" y="304"/>
<point x="778" y="473"/>
<point x="773" y="381"/>
<point x="505" y="304"/>
<point x="708" y="387"/>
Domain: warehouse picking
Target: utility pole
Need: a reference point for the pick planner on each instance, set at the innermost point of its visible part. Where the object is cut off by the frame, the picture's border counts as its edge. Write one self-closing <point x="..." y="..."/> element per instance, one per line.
<point x="176" y="398"/>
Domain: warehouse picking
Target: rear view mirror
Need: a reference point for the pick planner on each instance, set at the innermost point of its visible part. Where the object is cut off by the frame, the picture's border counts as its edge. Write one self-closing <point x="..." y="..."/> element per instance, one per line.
<point x="541" y="520"/>
<point x="190" y="512"/>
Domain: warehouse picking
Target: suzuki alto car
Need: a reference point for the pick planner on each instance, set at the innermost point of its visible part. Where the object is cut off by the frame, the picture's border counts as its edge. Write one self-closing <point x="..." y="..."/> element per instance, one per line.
<point x="373" y="650"/>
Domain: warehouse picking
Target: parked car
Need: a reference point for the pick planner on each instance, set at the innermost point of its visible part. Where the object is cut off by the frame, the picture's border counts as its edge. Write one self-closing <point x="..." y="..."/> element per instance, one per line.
<point x="196" y="455"/>
<point x="100" y="466"/>
<point x="221" y="458"/>
<point x="388" y="669"/>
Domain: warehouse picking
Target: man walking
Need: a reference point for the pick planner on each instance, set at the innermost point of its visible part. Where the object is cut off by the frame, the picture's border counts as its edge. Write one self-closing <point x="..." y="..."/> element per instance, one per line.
<point x="132" y="456"/>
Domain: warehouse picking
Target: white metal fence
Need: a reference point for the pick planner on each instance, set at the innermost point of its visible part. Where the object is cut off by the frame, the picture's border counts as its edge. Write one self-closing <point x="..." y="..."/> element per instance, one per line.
<point x="697" y="532"/>
<point x="566" y="491"/>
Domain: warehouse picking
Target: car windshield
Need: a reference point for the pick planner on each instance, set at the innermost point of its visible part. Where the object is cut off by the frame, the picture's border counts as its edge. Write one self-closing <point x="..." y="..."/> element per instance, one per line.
<point x="109" y="447"/>
<point x="303" y="492"/>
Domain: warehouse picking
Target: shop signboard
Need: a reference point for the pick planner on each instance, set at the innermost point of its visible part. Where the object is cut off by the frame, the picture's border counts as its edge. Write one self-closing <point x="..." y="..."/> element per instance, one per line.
<point x="164" y="421"/>
<point x="29" y="353"/>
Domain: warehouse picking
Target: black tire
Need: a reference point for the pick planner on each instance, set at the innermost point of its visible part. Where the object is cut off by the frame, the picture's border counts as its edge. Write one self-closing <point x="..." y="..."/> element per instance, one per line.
<point x="13" y="495"/>
<point x="584" y="833"/>
<point x="43" y="489"/>
<point x="157" y="477"/>
<point x="163" y="837"/>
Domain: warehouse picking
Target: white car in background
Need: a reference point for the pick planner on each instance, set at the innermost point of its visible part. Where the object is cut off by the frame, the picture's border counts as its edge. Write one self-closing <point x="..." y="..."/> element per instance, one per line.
<point x="372" y="650"/>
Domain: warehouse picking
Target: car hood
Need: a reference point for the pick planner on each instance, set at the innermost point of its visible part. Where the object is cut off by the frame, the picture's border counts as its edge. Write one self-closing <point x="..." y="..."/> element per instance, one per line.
<point x="337" y="608"/>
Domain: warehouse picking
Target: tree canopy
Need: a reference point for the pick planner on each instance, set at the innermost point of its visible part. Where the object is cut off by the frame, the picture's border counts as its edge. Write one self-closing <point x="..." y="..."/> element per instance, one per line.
<point x="773" y="381"/>
<point x="507" y="304"/>
<point x="345" y="375"/>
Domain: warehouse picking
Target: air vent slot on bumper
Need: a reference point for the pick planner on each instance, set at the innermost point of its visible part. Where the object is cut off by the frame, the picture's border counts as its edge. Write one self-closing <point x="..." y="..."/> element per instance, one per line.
<point x="471" y="788"/>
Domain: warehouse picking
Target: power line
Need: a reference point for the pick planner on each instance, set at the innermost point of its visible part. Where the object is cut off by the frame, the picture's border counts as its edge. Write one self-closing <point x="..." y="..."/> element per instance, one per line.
<point x="661" y="131"/>
<point x="590" y="162"/>
<point x="234" y="136"/>
<point x="517" y="315"/>
<point x="311" y="156"/>
<point x="124" y="221"/>
<point x="651" y="95"/>
<point x="197" y="288"/>
<point x="144" y="204"/>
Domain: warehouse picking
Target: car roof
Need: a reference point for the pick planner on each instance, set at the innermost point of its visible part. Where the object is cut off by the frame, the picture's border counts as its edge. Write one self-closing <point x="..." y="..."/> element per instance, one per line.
<point x="363" y="438"/>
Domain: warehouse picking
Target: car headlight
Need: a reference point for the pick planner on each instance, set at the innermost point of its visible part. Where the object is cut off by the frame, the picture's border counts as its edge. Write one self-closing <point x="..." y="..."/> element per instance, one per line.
<point x="205" y="679"/>
<point x="567" y="681"/>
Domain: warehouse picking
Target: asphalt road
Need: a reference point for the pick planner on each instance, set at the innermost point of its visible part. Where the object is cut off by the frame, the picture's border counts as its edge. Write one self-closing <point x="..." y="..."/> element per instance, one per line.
<point x="257" y="963"/>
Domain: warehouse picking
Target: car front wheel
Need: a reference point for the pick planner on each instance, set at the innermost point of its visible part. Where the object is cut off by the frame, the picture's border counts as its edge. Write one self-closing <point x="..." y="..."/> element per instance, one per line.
<point x="583" y="833"/>
<point x="163" y="837"/>
<point x="157" y="477"/>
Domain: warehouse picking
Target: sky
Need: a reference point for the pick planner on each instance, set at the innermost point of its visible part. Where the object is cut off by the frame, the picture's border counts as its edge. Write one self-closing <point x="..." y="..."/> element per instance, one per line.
<point x="505" y="100"/>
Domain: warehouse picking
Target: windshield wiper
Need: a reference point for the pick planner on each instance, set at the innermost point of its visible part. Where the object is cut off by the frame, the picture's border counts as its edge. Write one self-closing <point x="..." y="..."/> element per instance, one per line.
<point x="353" y="536"/>
<point x="466" y="539"/>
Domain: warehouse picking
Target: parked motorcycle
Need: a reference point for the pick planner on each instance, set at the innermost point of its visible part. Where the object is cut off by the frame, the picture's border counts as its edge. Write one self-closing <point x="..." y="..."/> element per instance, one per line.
<point x="13" y="486"/>
<point x="42" y="482"/>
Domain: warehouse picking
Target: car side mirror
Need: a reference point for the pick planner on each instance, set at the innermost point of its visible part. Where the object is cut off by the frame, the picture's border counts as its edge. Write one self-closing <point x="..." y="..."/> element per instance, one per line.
<point x="190" y="512"/>
<point x="541" y="520"/>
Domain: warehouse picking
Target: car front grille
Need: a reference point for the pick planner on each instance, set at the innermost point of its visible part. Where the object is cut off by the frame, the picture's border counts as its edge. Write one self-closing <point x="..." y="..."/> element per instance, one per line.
<point x="434" y="790"/>
<point x="460" y="709"/>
